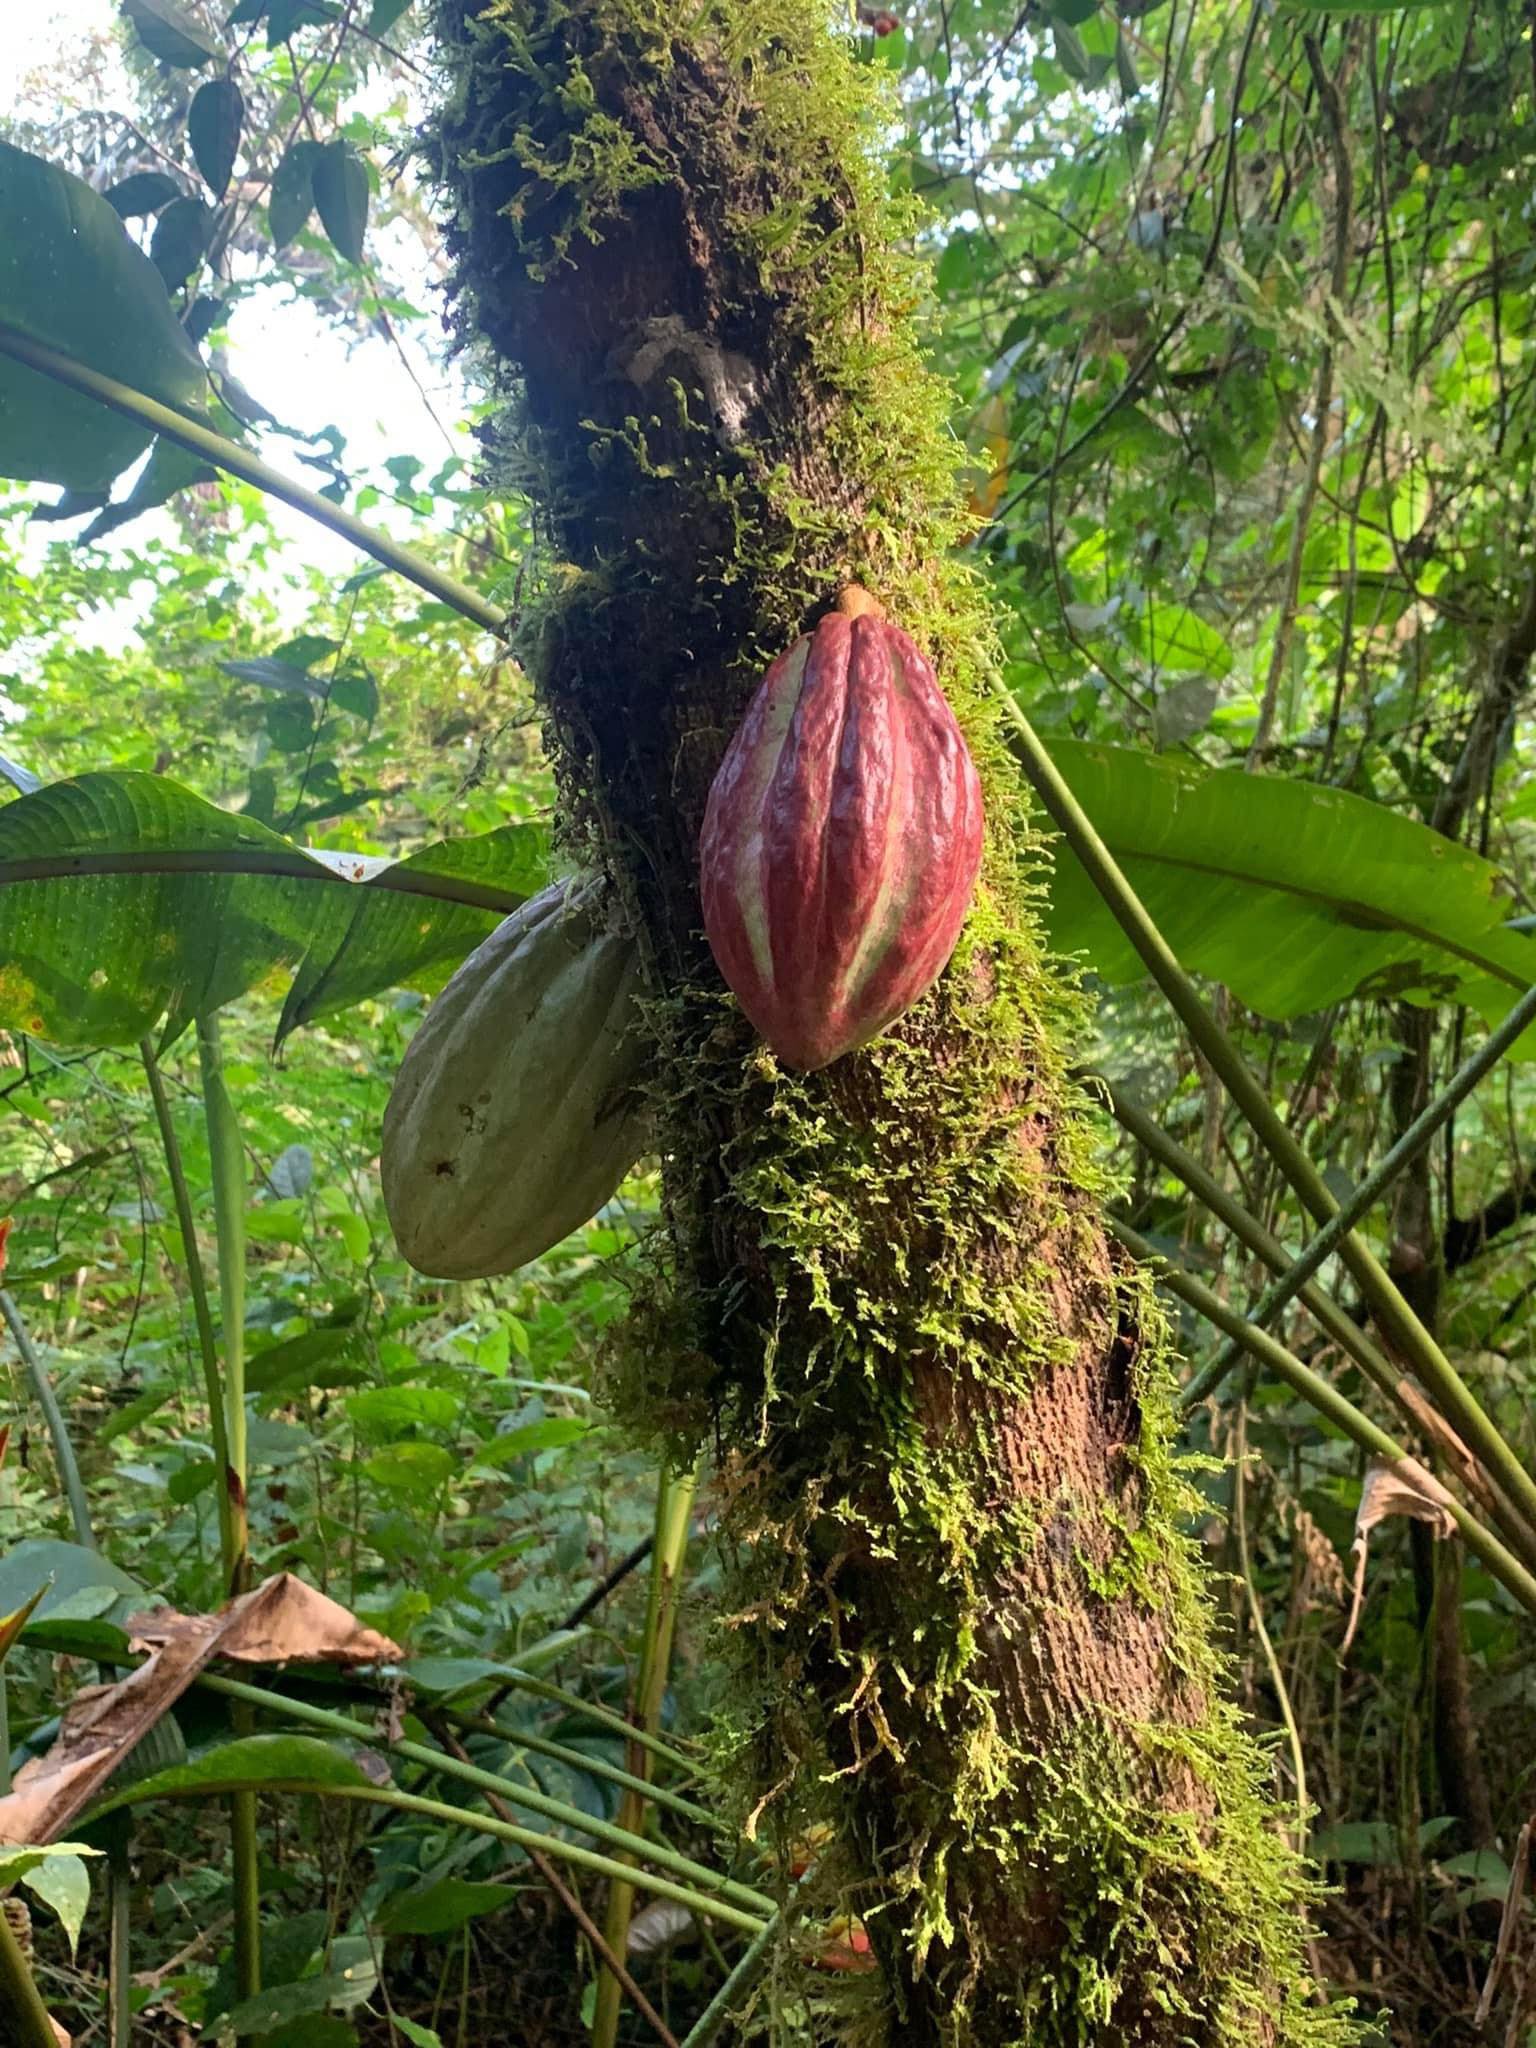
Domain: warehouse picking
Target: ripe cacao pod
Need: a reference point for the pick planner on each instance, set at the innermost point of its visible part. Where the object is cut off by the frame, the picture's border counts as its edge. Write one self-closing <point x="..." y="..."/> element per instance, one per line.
<point x="513" y="1117"/>
<point x="841" y="841"/>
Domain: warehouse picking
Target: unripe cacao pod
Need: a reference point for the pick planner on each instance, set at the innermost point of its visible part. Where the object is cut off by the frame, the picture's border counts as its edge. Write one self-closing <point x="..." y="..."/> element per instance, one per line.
<point x="514" y="1117"/>
<point x="841" y="841"/>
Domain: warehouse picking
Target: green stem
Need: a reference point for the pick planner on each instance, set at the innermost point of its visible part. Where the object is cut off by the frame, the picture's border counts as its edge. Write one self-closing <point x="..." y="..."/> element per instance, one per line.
<point x="1247" y="1228"/>
<point x="227" y="1160"/>
<point x="197" y="1287"/>
<point x="1329" y="1402"/>
<point x="120" y="1962"/>
<point x="226" y="1156"/>
<point x="24" y="2021"/>
<point x="598" y="1767"/>
<point x="53" y="1416"/>
<point x="444" y="1764"/>
<point x="601" y="1717"/>
<point x="555" y="1847"/>
<point x="750" y="1966"/>
<point x="674" y="1509"/>
<point x="1413" y="1141"/>
<point x="1396" y="1319"/>
<point x="228" y="455"/>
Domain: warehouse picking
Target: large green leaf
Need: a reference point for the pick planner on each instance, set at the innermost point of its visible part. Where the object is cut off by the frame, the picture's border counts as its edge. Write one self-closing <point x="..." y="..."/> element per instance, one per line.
<point x="252" y="1764"/>
<point x="71" y="277"/>
<point x="1292" y="895"/>
<point x="125" y="898"/>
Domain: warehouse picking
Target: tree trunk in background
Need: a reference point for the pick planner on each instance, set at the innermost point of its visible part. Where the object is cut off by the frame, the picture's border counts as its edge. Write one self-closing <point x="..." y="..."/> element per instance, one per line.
<point x="969" y="1633"/>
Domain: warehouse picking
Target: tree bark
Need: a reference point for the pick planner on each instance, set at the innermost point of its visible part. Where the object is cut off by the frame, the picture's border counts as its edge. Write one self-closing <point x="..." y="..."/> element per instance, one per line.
<point x="968" y="1630"/>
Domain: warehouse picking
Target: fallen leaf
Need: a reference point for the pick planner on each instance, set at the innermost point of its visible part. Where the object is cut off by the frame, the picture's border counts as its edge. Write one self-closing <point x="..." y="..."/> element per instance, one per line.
<point x="281" y="1622"/>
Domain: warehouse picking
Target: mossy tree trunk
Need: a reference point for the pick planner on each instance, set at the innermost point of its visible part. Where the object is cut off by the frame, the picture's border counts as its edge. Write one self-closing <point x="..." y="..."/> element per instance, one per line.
<point x="970" y="1636"/>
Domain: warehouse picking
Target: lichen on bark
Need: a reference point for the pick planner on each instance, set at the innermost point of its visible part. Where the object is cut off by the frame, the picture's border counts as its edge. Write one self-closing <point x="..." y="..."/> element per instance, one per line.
<point x="970" y="1638"/>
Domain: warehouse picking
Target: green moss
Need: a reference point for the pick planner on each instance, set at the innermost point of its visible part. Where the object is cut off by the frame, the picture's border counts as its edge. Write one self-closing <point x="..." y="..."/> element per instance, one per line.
<point x="847" y="1250"/>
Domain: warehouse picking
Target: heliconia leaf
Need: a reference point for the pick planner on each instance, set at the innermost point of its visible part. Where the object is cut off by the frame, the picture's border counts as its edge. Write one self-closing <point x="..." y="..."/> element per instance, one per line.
<point x="341" y="194"/>
<point x="125" y="899"/>
<point x="71" y="277"/>
<point x="214" y="122"/>
<point x="170" y="33"/>
<point x="1292" y="895"/>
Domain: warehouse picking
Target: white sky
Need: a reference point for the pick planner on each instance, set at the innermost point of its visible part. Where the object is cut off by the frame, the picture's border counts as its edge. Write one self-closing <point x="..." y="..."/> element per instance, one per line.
<point x="295" y="363"/>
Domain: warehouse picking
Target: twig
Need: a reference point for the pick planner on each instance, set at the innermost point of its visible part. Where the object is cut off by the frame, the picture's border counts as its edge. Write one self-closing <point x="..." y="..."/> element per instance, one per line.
<point x="570" y="1901"/>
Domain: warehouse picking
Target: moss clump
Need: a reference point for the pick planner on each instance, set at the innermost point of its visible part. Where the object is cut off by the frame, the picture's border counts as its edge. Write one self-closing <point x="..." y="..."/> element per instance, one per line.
<point x="971" y="1640"/>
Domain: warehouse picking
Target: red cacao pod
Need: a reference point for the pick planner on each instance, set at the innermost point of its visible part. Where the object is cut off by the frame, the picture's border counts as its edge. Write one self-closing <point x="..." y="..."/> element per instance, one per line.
<point x="841" y="841"/>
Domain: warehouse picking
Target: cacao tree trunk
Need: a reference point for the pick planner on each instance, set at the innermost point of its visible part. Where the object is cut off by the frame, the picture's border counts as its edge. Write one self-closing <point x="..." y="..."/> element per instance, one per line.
<point x="970" y="1638"/>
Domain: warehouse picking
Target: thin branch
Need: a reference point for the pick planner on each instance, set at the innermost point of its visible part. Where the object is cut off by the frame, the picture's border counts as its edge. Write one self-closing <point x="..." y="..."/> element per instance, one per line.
<point x="228" y="455"/>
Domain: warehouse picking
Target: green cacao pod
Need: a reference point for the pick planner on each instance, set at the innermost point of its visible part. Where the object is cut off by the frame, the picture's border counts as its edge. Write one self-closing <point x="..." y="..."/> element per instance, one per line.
<point x="515" y="1113"/>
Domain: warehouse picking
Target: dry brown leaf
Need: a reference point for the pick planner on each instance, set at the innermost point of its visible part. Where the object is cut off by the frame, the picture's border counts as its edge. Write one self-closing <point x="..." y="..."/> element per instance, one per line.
<point x="1399" y="1486"/>
<point x="281" y="1622"/>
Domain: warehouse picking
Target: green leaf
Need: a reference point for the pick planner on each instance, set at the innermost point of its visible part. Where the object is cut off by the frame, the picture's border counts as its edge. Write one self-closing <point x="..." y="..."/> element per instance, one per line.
<point x="385" y="14"/>
<point x="1169" y="636"/>
<point x="255" y="1763"/>
<point x="411" y="1471"/>
<point x="382" y="1412"/>
<point x="440" y="1907"/>
<point x="419" y="2036"/>
<point x="341" y="194"/>
<point x="171" y="34"/>
<point x="1357" y="1841"/>
<point x="170" y="468"/>
<point x="62" y="1882"/>
<point x="271" y="674"/>
<point x="1294" y="896"/>
<point x="214" y="121"/>
<point x="142" y="192"/>
<point x="297" y="1360"/>
<point x="292" y="197"/>
<point x="125" y="899"/>
<point x="67" y="1570"/>
<point x="70" y="277"/>
<point x="181" y="238"/>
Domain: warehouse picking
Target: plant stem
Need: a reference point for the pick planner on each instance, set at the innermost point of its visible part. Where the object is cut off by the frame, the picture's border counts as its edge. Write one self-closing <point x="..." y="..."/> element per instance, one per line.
<point x="1329" y="1402"/>
<point x="226" y="1157"/>
<point x="1432" y="1118"/>
<point x="197" y="1287"/>
<point x="228" y="455"/>
<point x="601" y="1717"/>
<point x="749" y="1967"/>
<point x="554" y="1846"/>
<point x="674" y="1509"/>
<point x="572" y="1904"/>
<point x="227" y="1160"/>
<point x="53" y="1416"/>
<point x="24" y="2021"/>
<point x="1396" y="1319"/>
<point x="527" y="1797"/>
<point x="1245" y="1226"/>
